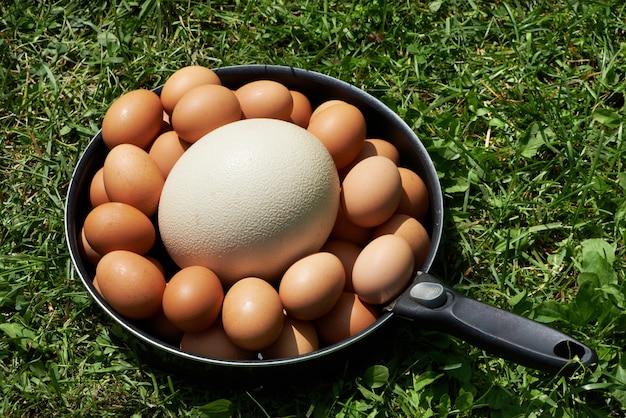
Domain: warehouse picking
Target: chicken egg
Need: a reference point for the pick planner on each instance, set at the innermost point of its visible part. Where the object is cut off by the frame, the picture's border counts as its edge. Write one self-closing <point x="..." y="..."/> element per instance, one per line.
<point x="193" y="298"/>
<point x="213" y="342"/>
<point x="91" y="255"/>
<point x="370" y="148"/>
<point x="131" y="176"/>
<point x="341" y="128"/>
<point x="346" y="230"/>
<point x="348" y="317"/>
<point x="166" y="150"/>
<point x="130" y="283"/>
<point x="371" y="191"/>
<point x="413" y="233"/>
<point x="265" y="99"/>
<point x="414" y="196"/>
<point x="118" y="226"/>
<point x="183" y="80"/>
<point x="97" y="192"/>
<point x="134" y="118"/>
<point x="383" y="269"/>
<point x="311" y="286"/>
<point x="297" y="337"/>
<point x="203" y="109"/>
<point x="252" y="313"/>
<point x="301" y="112"/>
<point x="161" y="327"/>
<point x="324" y="105"/>
<point x="346" y="252"/>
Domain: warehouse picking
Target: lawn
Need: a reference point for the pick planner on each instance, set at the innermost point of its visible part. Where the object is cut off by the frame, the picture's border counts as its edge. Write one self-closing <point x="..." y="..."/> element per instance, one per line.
<point x="521" y="105"/>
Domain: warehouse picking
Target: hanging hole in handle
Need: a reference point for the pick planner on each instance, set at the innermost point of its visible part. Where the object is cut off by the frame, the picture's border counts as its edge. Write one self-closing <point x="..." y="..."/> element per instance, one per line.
<point x="569" y="349"/>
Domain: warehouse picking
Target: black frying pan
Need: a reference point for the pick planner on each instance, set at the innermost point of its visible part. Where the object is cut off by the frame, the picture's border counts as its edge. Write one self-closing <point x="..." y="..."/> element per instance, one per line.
<point x="427" y="301"/>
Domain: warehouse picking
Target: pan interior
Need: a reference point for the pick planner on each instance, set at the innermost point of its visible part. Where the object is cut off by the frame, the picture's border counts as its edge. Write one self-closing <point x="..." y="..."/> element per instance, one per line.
<point x="382" y="123"/>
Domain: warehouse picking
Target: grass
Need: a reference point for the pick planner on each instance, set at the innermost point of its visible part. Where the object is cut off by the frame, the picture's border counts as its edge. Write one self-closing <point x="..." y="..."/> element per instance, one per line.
<point x="520" y="104"/>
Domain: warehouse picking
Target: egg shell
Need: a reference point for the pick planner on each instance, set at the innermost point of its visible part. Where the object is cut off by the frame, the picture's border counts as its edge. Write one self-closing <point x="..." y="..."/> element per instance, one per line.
<point x="383" y="269"/>
<point x="297" y="338"/>
<point x="341" y="128"/>
<point x="86" y="251"/>
<point x="134" y="118"/>
<point x="414" y="197"/>
<point x="312" y="285"/>
<point x="371" y="191"/>
<point x="161" y="327"/>
<point x="118" y="226"/>
<point x="203" y="109"/>
<point x="346" y="230"/>
<point x="157" y="263"/>
<point x="214" y="343"/>
<point x="324" y="105"/>
<point x="265" y="99"/>
<point x="166" y="126"/>
<point x="193" y="298"/>
<point x="258" y="195"/>
<point x="370" y="148"/>
<point x="131" y="284"/>
<point x="97" y="286"/>
<point x="347" y="252"/>
<point x="302" y="110"/>
<point x="413" y="233"/>
<point x="166" y="150"/>
<point x="182" y="81"/>
<point x="252" y="313"/>
<point x="131" y="176"/>
<point x="349" y="316"/>
<point x="97" y="192"/>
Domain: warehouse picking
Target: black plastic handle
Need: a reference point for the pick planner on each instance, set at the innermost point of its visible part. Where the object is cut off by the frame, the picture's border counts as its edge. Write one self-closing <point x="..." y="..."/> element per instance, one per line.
<point x="505" y="334"/>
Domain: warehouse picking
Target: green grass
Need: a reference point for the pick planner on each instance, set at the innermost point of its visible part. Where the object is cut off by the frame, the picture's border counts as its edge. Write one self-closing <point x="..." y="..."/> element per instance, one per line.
<point x="520" y="103"/>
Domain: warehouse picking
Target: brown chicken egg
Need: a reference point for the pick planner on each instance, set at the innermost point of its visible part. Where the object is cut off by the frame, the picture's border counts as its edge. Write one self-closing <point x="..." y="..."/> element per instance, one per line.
<point x="370" y="148"/>
<point x="265" y="99"/>
<point x="349" y="316"/>
<point x="213" y="342"/>
<point x="134" y="118"/>
<point x="97" y="192"/>
<point x="301" y="112"/>
<point x="203" y="109"/>
<point x="91" y="255"/>
<point x="311" y="286"/>
<point x="193" y="298"/>
<point x="346" y="230"/>
<point x="414" y="196"/>
<point x="341" y="128"/>
<point x="161" y="327"/>
<point x="371" y="191"/>
<point x="97" y="286"/>
<point x="118" y="226"/>
<point x="347" y="252"/>
<point x="183" y="80"/>
<point x="297" y="337"/>
<point x="132" y="177"/>
<point x="131" y="284"/>
<point x="411" y="230"/>
<point x="166" y="150"/>
<point x="383" y="269"/>
<point x="252" y="313"/>
<point x="324" y="105"/>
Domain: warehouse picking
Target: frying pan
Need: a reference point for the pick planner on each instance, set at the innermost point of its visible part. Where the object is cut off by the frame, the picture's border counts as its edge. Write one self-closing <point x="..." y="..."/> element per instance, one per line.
<point x="428" y="302"/>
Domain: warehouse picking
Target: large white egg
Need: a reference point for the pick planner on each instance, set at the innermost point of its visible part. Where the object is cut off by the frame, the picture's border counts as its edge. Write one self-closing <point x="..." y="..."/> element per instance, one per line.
<point x="249" y="199"/>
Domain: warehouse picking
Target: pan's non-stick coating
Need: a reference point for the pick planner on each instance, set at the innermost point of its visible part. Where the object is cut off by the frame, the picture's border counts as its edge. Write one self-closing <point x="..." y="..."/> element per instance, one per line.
<point x="381" y="123"/>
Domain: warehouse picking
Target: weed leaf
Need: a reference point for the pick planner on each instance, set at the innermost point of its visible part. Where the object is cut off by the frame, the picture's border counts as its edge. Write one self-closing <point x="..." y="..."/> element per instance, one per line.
<point x="607" y="118"/>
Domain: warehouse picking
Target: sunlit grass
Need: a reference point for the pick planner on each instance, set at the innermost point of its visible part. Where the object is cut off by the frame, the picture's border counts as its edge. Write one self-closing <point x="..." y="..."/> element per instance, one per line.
<point x="520" y="104"/>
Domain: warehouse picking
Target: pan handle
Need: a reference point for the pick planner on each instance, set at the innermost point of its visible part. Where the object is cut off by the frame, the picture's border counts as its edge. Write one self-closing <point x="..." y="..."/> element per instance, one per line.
<point x="499" y="332"/>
